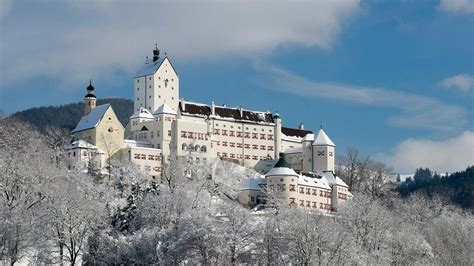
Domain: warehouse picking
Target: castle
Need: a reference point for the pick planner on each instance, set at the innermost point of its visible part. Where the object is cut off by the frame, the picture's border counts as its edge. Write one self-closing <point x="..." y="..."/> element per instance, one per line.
<point x="165" y="126"/>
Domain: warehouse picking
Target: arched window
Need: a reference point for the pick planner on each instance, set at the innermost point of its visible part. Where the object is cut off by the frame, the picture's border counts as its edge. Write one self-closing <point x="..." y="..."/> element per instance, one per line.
<point x="191" y="147"/>
<point x="184" y="147"/>
<point x="196" y="148"/>
<point x="203" y="148"/>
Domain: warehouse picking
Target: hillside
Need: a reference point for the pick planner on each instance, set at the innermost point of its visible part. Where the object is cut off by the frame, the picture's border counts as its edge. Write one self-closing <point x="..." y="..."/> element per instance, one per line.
<point x="458" y="188"/>
<point x="67" y="116"/>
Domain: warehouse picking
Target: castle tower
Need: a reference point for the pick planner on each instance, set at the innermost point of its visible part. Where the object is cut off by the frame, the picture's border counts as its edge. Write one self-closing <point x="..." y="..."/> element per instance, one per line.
<point x="323" y="152"/>
<point x="277" y="133"/>
<point x="155" y="84"/>
<point x="89" y="99"/>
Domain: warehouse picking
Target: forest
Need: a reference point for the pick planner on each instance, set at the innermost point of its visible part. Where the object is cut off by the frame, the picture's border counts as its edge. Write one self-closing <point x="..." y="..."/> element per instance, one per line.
<point x="53" y="215"/>
<point x="66" y="116"/>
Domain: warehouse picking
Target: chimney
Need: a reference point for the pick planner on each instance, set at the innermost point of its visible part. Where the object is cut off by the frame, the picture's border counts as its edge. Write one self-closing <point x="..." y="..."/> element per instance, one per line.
<point x="183" y="104"/>
<point x="213" y="108"/>
<point x="301" y="126"/>
<point x="241" y="111"/>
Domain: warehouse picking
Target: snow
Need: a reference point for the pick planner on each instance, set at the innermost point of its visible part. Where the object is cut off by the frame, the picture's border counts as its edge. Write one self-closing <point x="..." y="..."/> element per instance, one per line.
<point x="92" y="119"/>
<point x="308" y="137"/>
<point x="313" y="182"/>
<point x="281" y="171"/>
<point x="291" y="138"/>
<point x="142" y="113"/>
<point x="137" y="143"/>
<point x="252" y="183"/>
<point x="323" y="139"/>
<point x="150" y="67"/>
<point x="165" y="109"/>
<point x="79" y="144"/>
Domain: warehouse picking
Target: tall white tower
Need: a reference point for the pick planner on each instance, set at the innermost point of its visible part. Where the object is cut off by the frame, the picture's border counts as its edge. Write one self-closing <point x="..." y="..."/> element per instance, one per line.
<point x="89" y="99"/>
<point x="155" y="84"/>
<point x="323" y="152"/>
<point x="277" y="135"/>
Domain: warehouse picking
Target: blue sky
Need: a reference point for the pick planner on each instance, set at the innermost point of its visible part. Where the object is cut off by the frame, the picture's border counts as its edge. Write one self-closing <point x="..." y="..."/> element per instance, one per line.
<point x="394" y="79"/>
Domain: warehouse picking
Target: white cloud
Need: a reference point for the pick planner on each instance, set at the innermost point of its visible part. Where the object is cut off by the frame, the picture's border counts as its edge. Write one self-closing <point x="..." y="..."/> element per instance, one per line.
<point x="463" y="82"/>
<point x="97" y="36"/>
<point x="457" y="6"/>
<point x="416" y="111"/>
<point x="448" y="155"/>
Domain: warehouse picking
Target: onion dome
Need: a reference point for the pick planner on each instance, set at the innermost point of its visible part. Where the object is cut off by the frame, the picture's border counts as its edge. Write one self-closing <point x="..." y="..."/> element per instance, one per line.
<point x="156" y="53"/>
<point x="90" y="87"/>
<point x="90" y="91"/>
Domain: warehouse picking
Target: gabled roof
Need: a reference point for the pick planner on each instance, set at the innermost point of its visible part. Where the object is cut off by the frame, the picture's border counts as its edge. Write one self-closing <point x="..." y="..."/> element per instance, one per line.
<point x="165" y="109"/>
<point x="295" y="132"/>
<point x="142" y="113"/>
<point x="199" y="109"/>
<point x="92" y="119"/>
<point x="320" y="181"/>
<point x="323" y="139"/>
<point x="150" y="67"/>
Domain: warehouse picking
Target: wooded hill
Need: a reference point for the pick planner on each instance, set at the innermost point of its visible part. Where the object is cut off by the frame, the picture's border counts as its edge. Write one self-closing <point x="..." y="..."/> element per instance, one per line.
<point x="458" y="188"/>
<point x="68" y="115"/>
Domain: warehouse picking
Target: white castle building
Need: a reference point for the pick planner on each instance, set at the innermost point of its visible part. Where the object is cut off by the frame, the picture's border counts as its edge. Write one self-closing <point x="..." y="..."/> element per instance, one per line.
<point x="165" y="126"/>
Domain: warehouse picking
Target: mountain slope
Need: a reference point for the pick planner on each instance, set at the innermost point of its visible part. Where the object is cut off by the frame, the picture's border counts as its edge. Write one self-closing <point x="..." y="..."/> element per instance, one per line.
<point x="68" y="115"/>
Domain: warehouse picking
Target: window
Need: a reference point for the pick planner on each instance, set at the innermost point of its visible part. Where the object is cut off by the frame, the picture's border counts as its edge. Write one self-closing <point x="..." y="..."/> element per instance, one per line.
<point x="292" y="200"/>
<point x="169" y="133"/>
<point x="301" y="190"/>
<point x="308" y="191"/>
<point x="252" y="199"/>
<point x="111" y="129"/>
<point x="270" y="148"/>
<point x="270" y="137"/>
<point x="302" y="203"/>
<point x="203" y="148"/>
<point x="262" y="136"/>
<point x="157" y="134"/>
<point x="184" y="147"/>
<point x="315" y="192"/>
<point x="262" y="147"/>
<point x="292" y="187"/>
<point x="138" y="80"/>
<point x="254" y="135"/>
<point x="308" y="204"/>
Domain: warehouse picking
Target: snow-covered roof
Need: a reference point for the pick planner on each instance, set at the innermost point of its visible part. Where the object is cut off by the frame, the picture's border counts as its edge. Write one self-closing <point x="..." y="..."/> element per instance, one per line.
<point x="308" y="137"/>
<point x="81" y="144"/>
<point x="92" y="119"/>
<point x="142" y="113"/>
<point x="165" y="109"/>
<point x="313" y="182"/>
<point x="150" y="67"/>
<point x="323" y="139"/>
<point x="281" y="168"/>
<point x="252" y="183"/>
<point x="136" y="143"/>
<point x="281" y="171"/>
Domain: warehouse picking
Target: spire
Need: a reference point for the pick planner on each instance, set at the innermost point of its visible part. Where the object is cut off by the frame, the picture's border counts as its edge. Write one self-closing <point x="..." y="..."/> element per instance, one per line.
<point x="322" y="139"/>
<point x="281" y="162"/>
<point x="156" y="53"/>
<point x="90" y="90"/>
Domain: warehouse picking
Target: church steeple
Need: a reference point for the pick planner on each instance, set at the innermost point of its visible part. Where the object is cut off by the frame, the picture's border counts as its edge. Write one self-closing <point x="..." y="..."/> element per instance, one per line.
<point x="156" y="53"/>
<point x="89" y="99"/>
